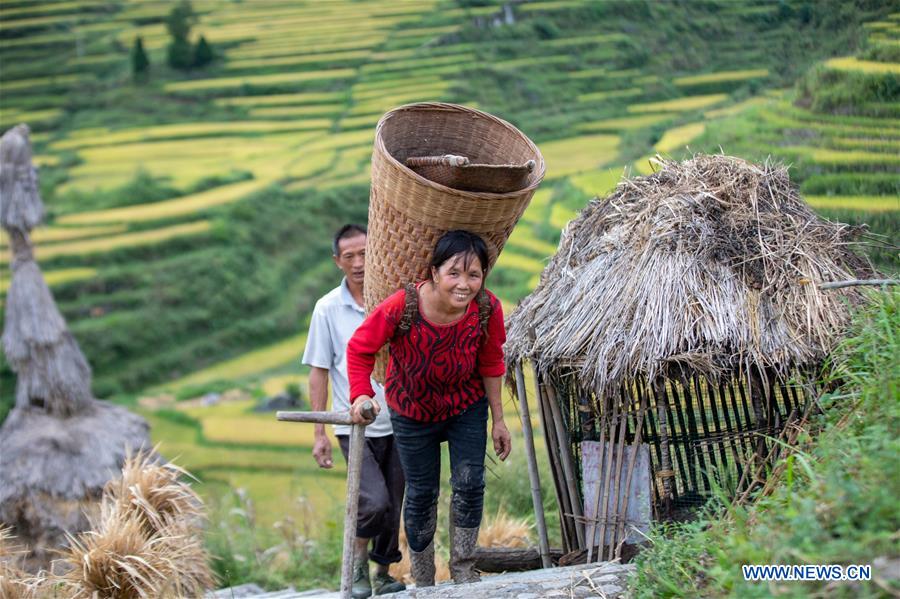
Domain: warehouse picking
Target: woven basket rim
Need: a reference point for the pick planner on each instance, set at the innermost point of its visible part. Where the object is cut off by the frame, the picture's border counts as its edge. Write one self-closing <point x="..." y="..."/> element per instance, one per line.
<point x="540" y="169"/>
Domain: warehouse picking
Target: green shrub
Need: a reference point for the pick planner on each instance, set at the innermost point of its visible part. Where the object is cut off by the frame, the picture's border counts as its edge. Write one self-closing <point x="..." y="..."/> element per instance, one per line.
<point x="203" y="53"/>
<point x="835" y="501"/>
<point x="140" y="64"/>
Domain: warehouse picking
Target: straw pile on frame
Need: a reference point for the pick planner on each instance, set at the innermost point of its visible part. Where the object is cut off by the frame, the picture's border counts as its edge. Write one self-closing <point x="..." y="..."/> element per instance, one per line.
<point x="59" y="445"/>
<point x="710" y="265"/>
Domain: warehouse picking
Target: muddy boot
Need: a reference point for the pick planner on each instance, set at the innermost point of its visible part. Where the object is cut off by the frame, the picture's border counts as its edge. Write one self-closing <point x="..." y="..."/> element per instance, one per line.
<point x="462" y="554"/>
<point x="422" y="566"/>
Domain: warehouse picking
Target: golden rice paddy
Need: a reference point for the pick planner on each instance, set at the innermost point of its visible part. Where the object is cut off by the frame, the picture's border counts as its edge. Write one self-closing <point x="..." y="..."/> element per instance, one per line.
<point x="183" y="206"/>
<point x="114" y="242"/>
<point x="677" y="137"/>
<point x="55" y="277"/>
<point x="283" y="61"/>
<point x="851" y="63"/>
<point x="258" y="80"/>
<point x="283" y="99"/>
<point x="720" y="77"/>
<point x="53" y="234"/>
<point x="509" y="259"/>
<point x="578" y="154"/>
<point x="862" y="203"/>
<point x="189" y="131"/>
<point x="252" y="363"/>
<point x="679" y="104"/>
<point x="606" y="95"/>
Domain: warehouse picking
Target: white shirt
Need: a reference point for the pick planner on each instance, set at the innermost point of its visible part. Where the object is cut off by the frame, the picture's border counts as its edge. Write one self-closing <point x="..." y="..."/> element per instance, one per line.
<point x="334" y="320"/>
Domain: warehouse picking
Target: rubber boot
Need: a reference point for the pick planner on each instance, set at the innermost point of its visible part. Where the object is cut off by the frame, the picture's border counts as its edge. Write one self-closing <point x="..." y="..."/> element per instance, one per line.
<point x="422" y="566"/>
<point x="463" y="542"/>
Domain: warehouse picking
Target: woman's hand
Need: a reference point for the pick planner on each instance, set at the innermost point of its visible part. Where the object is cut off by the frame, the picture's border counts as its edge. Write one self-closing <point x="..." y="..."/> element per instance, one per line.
<point x="502" y="441"/>
<point x="356" y="410"/>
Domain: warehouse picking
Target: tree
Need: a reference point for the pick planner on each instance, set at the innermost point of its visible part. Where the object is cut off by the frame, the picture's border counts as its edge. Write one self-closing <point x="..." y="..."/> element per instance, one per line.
<point x="140" y="64"/>
<point x="203" y="53"/>
<point x="179" y="22"/>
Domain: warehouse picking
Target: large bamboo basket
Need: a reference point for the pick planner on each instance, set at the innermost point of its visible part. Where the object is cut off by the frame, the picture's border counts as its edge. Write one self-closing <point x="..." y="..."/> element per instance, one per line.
<point x="408" y="213"/>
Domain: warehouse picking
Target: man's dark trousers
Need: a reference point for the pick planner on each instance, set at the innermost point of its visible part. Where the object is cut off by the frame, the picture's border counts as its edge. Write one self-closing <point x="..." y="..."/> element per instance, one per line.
<point x="380" y="497"/>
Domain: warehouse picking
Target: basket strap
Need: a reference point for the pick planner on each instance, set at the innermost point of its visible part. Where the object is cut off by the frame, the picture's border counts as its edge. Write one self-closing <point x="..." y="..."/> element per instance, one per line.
<point x="411" y="311"/>
<point x="445" y="160"/>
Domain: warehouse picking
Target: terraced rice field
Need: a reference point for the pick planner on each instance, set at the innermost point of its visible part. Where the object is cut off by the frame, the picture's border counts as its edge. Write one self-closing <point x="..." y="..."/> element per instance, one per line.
<point x="293" y="103"/>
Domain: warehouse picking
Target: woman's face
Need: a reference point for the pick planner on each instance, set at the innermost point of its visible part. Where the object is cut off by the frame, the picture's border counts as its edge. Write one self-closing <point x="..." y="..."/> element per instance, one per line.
<point x="456" y="282"/>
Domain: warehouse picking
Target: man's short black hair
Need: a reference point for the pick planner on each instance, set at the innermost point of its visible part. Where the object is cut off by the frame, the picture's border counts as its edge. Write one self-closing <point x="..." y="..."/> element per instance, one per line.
<point x="345" y="232"/>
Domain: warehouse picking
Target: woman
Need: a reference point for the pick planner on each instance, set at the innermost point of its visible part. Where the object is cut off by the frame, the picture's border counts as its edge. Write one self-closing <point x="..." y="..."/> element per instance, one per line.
<point x="445" y="370"/>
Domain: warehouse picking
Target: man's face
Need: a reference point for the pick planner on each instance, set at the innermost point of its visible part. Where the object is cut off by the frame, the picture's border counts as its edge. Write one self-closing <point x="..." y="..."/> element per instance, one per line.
<point x="351" y="257"/>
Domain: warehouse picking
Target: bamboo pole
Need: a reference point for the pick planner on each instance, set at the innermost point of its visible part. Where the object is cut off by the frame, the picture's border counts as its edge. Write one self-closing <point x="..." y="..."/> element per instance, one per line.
<point x="568" y="468"/>
<point x="620" y="457"/>
<point x="533" y="474"/>
<point x="665" y="461"/>
<point x="635" y="447"/>
<point x="552" y="448"/>
<point x="607" y="467"/>
<point x="604" y="417"/>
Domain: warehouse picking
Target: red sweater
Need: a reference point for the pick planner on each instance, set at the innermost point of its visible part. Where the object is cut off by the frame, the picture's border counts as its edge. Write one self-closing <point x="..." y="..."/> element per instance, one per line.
<point x="434" y="371"/>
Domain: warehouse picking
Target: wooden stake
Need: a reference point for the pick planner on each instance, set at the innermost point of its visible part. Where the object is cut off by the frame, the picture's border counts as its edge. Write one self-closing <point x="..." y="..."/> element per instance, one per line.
<point x="635" y="447"/>
<point x="604" y="417"/>
<point x="533" y="475"/>
<point x="354" y="466"/>
<point x="620" y="457"/>
<point x="566" y="458"/>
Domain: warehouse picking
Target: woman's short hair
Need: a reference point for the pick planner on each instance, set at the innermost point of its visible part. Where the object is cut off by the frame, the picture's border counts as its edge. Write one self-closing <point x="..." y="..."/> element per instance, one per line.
<point x="458" y="241"/>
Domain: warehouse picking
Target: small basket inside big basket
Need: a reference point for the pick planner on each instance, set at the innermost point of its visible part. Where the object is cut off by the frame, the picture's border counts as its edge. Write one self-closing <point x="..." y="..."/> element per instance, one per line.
<point x="458" y="172"/>
<point x="410" y="208"/>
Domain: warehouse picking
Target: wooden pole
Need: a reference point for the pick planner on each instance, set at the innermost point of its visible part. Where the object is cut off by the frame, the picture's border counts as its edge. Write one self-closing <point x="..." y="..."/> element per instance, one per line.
<point x="354" y="466"/>
<point x="351" y="508"/>
<point x="562" y="498"/>
<point x="565" y="449"/>
<point x="635" y="447"/>
<point x="533" y="475"/>
<point x="592" y="534"/>
<point x="606" y="468"/>
<point x="617" y="475"/>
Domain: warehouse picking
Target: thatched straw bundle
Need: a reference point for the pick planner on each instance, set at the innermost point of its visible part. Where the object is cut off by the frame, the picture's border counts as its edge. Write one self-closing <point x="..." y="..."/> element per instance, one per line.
<point x="59" y="446"/>
<point x="146" y="541"/>
<point x="20" y="203"/>
<point x="52" y="371"/>
<point x="710" y="265"/>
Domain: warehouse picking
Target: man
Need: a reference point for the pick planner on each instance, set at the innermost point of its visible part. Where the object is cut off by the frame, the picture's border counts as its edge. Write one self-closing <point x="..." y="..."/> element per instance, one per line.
<point x="334" y="320"/>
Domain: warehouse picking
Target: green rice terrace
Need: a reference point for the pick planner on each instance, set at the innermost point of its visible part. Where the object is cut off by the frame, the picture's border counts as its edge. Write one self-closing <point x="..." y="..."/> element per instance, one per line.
<point x="190" y="210"/>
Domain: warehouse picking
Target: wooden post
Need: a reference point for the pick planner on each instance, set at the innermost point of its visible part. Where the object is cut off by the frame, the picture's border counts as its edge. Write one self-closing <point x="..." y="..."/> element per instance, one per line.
<point x="565" y="449"/>
<point x="354" y="465"/>
<point x="533" y="474"/>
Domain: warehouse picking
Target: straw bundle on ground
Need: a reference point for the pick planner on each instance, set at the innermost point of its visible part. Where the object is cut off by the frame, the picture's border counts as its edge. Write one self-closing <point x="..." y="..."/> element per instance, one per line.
<point x="681" y="323"/>
<point x="146" y="541"/>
